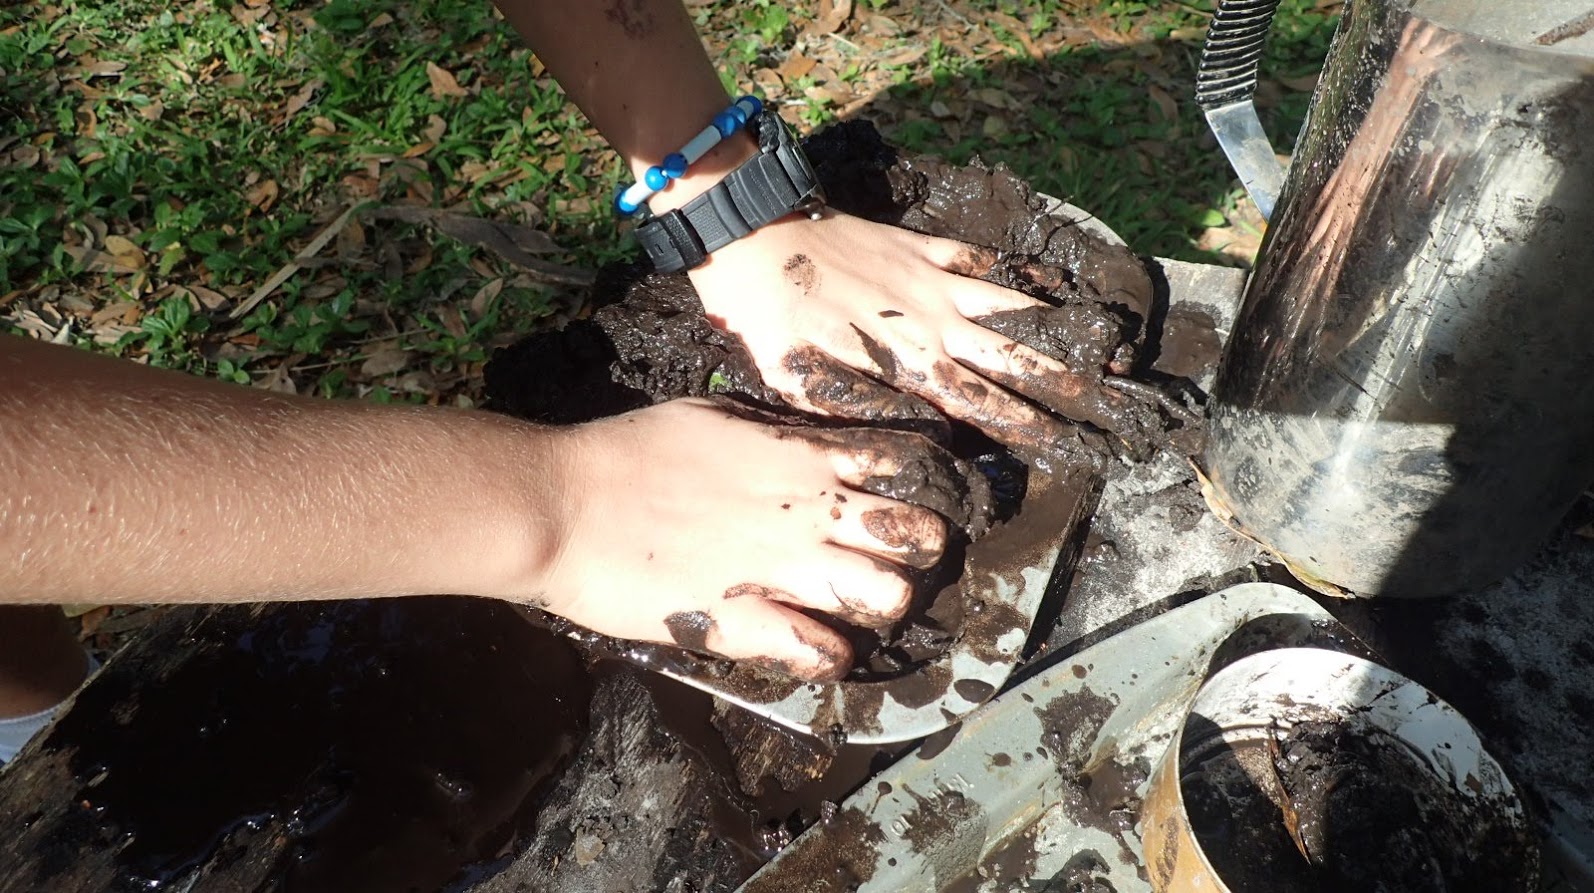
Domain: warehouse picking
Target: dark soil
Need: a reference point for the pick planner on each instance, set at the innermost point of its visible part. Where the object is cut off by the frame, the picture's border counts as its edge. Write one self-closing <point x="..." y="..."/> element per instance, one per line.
<point x="1329" y="807"/>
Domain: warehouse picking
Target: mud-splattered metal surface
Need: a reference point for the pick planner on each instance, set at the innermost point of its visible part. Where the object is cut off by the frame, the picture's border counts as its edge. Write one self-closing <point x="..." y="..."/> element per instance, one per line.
<point x="1052" y="769"/>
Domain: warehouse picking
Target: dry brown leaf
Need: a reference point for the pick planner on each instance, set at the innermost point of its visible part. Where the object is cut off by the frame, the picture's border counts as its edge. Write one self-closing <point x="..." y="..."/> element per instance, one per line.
<point x="419" y="149"/>
<point x="443" y="83"/>
<point x="484" y="297"/>
<point x="385" y="360"/>
<point x="153" y="111"/>
<point x="103" y="69"/>
<point x="769" y="81"/>
<point x="124" y="250"/>
<point x="210" y="299"/>
<point x="233" y="81"/>
<point x="299" y="100"/>
<point x="320" y="126"/>
<point x="1164" y="101"/>
<point x="278" y="379"/>
<point x="435" y="128"/>
<point x="795" y="66"/>
<point x="996" y="98"/>
<point x="382" y="20"/>
<point x="452" y="320"/>
<point x="25" y="156"/>
<point x="94" y="260"/>
<point x="513" y="242"/>
<point x="906" y="57"/>
<point x="832" y="15"/>
<point x="263" y="195"/>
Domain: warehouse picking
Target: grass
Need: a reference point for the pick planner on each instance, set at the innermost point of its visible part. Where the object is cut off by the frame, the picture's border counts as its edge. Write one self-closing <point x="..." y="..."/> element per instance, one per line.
<point x="160" y="161"/>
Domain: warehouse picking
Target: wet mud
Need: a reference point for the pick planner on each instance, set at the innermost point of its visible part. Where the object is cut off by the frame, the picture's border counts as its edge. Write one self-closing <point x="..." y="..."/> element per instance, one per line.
<point x="1324" y="806"/>
<point x="396" y="744"/>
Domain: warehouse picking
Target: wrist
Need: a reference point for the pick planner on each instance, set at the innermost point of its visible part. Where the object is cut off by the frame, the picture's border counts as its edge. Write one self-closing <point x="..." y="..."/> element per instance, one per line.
<point x="726" y="156"/>
<point x="512" y="479"/>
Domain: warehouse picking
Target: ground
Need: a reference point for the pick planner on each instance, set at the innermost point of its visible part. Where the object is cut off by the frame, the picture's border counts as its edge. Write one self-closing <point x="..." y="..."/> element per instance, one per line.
<point x="289" y="194"/>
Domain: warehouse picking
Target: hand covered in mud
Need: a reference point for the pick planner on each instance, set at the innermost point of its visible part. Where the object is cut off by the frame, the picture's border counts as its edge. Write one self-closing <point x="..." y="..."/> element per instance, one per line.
<point x="688" y="525"/>
<point x="834" y="310"/>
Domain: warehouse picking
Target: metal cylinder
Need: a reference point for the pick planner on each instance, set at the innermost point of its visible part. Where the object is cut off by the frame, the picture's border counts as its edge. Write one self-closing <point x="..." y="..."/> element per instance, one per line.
<point x="1405" y="406"/>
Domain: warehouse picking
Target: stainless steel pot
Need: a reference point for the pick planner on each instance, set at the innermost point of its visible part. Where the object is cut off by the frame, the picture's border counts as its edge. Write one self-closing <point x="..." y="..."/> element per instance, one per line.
<point x="1406" y="405"/>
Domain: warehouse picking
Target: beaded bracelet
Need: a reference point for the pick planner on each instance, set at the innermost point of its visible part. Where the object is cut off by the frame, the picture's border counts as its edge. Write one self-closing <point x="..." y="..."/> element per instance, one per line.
<point x="734" y="118"/>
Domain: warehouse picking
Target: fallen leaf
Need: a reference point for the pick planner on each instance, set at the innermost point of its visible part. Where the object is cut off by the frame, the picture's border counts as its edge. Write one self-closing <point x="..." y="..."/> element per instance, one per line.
<point x="386" y="360"/>
<point x="94" y="260"/>
<point x="435" y="128"/>
<point x="153" y="111"/>
<point x="299" y="100"/>
<point x="419" y="149"/>
<point x="795" y="66"/>
<point x="320" y="126"/>
<point x="1166" y="106"/>
<point x="278" y="379"/>
<point x="232" y="81"/>
<point x="210" y="299"/>
<point x="906" y="57"/>
<point x="443" y="83"/>
<point x="993" y="127"/>
<point x="25" y="156"/>
<point x="263" y="195"/>
<point x="514" y="243"/>
<point x="832" y="15"/>
<point x="104" y="69"/>
<point x="484" y="297"/>
<point x="382" y="20"/>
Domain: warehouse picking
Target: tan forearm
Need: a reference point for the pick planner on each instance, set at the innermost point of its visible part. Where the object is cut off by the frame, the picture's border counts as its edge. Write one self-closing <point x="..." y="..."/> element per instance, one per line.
<point x="638" y="69"/>
<point x="125" y="483"/>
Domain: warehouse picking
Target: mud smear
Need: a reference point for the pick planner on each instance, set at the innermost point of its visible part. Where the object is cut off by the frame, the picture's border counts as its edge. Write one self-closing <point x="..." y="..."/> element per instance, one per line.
<point x="353" y="745"/>
<point x="1326" y="807"/>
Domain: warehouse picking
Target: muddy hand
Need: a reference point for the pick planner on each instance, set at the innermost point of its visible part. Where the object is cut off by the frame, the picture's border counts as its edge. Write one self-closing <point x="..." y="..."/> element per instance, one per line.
<point x="691" y="526"/>
<point x="894" y="304"/>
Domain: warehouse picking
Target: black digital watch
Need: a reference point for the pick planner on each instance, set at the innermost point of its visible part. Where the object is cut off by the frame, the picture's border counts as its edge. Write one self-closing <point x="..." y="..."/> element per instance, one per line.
<point x="776" y="182"/>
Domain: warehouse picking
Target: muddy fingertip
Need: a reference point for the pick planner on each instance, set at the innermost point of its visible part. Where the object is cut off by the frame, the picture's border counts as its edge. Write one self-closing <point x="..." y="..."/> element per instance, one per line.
<point x="917" y="536"/>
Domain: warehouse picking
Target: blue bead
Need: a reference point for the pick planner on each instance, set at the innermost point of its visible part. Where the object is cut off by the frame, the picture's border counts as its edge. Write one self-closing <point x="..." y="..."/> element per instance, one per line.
<point x="725" y="122"/>
<point x="655" y="178"/>
<point x="622" y="205"/>
<point x="739" y="113"/>
<point x="753" y="102"/>
<point x="674" y="165"/>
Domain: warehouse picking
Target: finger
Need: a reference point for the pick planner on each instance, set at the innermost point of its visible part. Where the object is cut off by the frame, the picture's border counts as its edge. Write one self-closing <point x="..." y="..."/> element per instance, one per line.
<point x="773" y="635"/>
<point x="904" y="467"/>
<point x="859" y="589"/>
<point x="961" y="258"/>
<point x="891" y="530"/>
<point x="830" y="387"/>
<point x="1043" y="379"/>
<point x="976" y="297"/>
<point x="1003" y="416"/>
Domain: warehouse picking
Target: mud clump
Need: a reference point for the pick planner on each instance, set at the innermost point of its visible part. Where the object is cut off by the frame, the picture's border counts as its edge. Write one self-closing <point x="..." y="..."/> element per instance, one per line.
<point x="1331" y="807"/>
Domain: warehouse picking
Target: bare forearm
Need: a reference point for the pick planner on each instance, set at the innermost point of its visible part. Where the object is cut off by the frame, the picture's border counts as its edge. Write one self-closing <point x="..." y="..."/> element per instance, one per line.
<point x="125" y="483"/>
<point x="638" y="69"/>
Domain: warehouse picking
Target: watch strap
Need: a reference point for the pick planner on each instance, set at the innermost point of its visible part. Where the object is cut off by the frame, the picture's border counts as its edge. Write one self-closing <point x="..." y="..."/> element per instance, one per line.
<point x="776" y="182"/>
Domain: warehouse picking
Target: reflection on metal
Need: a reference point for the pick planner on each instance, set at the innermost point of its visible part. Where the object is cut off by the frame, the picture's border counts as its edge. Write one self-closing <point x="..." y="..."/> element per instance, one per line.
<point x="1404" y="407"/>
<point x="1240" y="135"/>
